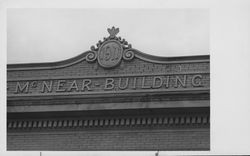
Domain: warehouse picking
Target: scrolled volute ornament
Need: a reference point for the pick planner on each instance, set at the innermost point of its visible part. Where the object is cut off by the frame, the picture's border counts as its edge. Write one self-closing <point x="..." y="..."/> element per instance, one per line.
<point x="110" y="51"/>
<point x="128" y="55"/>
<point x="91" y="56"/>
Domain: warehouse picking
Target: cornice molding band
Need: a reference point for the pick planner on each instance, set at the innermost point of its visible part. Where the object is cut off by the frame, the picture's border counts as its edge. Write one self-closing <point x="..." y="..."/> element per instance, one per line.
<point x="109" y="122"/>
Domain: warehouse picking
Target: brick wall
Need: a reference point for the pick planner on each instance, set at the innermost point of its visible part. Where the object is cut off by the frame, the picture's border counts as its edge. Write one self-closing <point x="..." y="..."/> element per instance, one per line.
<point x="146" y="139"/>
<point x="22" y="137"/>
<point x="134" y="67"/>
<point x="150" y="129"/>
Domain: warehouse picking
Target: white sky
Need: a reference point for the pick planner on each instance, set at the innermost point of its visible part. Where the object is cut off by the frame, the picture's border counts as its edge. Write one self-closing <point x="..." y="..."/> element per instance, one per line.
<point x="229" y="48"/>
<point x="47" y="35"/>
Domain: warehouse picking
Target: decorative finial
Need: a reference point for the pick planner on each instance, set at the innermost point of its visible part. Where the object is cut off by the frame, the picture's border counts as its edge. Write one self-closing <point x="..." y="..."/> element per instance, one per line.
<point x="110" y="51"/>
<point x="113" y="32"/>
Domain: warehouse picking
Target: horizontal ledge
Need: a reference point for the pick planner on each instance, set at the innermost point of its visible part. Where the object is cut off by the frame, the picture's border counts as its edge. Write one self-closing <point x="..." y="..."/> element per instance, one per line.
<point x="107" y="76"/>
<point x="108" y="106"/>
<point x="115" y="93"/>
<point x="188" y="120"/>
<point x="110" y="131"/>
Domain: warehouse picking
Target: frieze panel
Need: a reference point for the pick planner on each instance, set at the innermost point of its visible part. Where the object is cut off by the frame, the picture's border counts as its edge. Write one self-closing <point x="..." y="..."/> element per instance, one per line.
<point x="116" y="84"/>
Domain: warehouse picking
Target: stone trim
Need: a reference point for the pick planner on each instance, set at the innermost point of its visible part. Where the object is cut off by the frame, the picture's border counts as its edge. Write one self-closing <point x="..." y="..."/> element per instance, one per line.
<point x="109" y="122"/>
<point x="111" y="93"/>
<point x="82" y="57"/>
<point x="106" y="76"/>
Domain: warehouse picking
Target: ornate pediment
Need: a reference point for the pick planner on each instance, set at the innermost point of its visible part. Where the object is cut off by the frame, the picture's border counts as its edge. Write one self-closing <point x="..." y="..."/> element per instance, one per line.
<point x="111" y="50"/>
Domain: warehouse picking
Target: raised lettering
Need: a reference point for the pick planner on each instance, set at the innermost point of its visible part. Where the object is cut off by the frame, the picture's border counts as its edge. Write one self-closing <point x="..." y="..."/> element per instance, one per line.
<point x="104" y="84"/>
<point x="24" y="89"/>
<point x="167" y="82"/>
<point x="195" y="79"/>
<point x="143" y="84"/>
<point x="120" y="84"/>
<point x="159" y="79"/>
<point x="48" y="87"/>
<point x="60" y="85"/>
<point x="134" y="83"/>
<point x="107" y="53"/>
<point x="73" y="86"/>
<point x="86" y="84"/>
<point x="181" y="82"/>
<point x="109" y="84"/>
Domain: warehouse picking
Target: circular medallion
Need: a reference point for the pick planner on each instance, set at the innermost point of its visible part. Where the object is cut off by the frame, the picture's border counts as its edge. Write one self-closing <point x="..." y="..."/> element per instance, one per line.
<point x="110" y="54"/>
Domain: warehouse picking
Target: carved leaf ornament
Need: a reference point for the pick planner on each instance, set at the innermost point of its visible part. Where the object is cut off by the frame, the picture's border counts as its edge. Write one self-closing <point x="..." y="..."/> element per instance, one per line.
<point x="111" y="50"/>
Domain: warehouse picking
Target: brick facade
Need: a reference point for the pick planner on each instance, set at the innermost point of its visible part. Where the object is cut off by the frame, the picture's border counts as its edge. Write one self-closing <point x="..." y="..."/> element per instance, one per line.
<point x="158" y="129"/>
<point x="191" y="139"/>
<point x="135" y="102"/>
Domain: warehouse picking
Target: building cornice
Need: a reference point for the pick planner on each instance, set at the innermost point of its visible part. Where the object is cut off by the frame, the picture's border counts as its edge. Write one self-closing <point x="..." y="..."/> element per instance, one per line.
<point x="82" y="57"/>
<point x="190" y="120"/>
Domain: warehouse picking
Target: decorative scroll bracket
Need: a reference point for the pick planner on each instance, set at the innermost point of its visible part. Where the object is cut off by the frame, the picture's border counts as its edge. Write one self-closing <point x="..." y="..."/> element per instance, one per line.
<point x="111" y="50"/>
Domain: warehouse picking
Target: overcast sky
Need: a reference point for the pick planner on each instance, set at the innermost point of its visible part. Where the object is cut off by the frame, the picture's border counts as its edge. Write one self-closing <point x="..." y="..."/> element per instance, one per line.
<point x="47" y="35"/>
